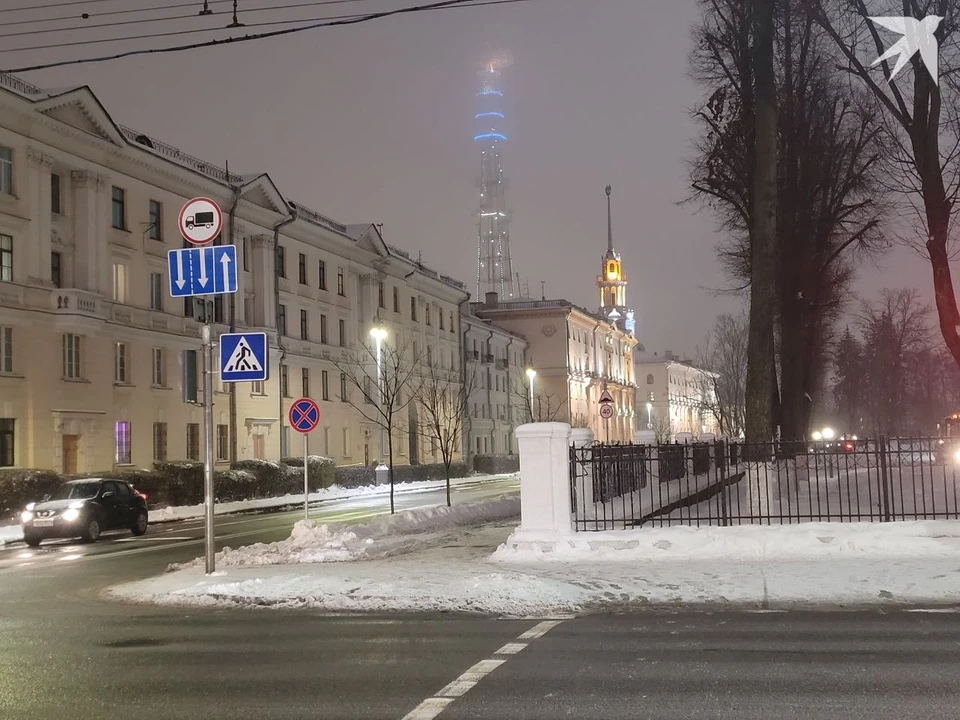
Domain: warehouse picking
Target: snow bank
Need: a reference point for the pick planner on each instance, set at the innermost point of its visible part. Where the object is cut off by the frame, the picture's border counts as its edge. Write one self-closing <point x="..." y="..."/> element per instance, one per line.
<point x="334" y="492"/>
<point x="741" y="543"/>
<point x="10" y="533"/>
<point x="394" y="534"/>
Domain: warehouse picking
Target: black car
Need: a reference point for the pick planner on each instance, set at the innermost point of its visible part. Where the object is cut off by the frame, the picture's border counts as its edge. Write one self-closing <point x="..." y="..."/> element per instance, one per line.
<point x="84" y="509"/>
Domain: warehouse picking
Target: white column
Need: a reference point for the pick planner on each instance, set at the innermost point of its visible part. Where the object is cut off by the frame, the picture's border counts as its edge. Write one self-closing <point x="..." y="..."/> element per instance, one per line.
<point x="87" y="232"/>
<point x="545" y="477"/>
<point x="39" y="166"/>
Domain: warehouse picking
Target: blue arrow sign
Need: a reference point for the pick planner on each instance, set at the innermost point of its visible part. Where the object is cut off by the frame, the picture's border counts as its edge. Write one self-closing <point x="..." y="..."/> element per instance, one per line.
<point x="244" y="357"/>
<point x="208" y="270"/>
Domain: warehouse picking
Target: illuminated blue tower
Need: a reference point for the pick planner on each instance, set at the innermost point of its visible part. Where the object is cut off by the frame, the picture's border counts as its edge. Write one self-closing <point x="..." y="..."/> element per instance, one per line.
<point x="494" y="265"/>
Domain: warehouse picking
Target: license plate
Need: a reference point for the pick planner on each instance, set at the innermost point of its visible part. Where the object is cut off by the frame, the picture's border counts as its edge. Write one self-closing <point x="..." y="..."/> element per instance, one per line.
<point x="42" y="523"/>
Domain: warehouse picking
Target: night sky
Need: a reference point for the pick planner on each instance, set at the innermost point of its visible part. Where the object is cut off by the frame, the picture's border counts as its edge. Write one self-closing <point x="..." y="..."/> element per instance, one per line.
<point x="375" y="123"/>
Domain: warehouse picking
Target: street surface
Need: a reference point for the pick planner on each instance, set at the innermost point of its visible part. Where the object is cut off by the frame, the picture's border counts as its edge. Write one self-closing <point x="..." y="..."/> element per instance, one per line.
<point x="67" y="653"/>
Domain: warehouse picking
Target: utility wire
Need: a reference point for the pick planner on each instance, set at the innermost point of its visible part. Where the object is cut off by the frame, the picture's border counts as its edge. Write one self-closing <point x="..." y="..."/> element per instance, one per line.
<point x="353" y="20"/>
<point x="155" y="8"/>
<point x="142" y="21"/>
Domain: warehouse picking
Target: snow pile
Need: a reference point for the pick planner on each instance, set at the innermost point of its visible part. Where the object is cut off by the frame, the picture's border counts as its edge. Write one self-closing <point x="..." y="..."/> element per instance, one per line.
<point x="334" y="492"/>
<point x="390" y="535"/>
<point x="10" y="533"/>
<point x="810" y="541"/>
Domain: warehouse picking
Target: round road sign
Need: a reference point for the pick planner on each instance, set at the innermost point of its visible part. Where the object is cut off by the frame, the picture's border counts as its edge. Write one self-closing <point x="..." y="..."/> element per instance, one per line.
<point x="200" y="221"/>
<point x="606" y="411"/>
<point x="304" y="415"/>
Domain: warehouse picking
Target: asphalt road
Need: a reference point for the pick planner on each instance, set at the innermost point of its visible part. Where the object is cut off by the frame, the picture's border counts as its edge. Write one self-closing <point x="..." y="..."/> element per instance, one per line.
<point x="67" y="653"/>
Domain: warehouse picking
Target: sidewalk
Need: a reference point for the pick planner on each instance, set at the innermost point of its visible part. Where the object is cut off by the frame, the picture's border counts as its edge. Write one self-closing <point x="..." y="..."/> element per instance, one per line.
<point x="424" y="567"/>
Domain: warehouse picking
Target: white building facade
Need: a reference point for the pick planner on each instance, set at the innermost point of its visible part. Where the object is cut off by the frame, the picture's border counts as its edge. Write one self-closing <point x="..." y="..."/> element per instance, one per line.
<point x="97" y="359"/>
<point x="674" y="396"/>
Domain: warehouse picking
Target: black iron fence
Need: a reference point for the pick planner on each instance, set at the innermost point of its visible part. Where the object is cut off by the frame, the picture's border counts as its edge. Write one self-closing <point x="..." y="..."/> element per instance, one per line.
<point x="721" y="483"/>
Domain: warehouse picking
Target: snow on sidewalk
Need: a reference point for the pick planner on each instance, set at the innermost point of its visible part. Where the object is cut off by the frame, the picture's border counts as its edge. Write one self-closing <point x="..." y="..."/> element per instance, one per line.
<point x="463" y="570"/>
<point x="10" y="533"/>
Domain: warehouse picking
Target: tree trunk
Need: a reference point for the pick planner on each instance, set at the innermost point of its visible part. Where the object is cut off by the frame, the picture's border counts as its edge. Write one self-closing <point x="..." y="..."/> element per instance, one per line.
<point x="760" y="366"/>
<point x="390" y="457"/>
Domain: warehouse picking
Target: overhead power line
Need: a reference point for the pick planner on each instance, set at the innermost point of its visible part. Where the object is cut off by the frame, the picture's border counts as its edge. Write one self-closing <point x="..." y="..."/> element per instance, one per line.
<point x="349" y="20"/>
<point x="156" y="8"/>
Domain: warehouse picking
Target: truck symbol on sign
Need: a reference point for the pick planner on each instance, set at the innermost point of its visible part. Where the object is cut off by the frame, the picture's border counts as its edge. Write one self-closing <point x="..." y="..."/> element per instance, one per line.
<point x="201" y="218"/>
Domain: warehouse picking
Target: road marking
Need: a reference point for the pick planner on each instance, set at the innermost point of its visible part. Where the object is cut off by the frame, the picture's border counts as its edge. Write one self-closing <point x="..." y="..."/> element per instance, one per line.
<point x="433" y="706"/>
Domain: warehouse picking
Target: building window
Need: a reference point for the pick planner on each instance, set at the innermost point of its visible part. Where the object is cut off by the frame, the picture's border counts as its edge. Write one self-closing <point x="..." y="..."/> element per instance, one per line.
<point x="71" y="356"/>
<point x="6" y="350"/>
<point x="55" y="206"/>
<point x="324" y="385"/>
<point x="119" y="283"/>
<point x="284" y="381"/>
<point x="281" y="261"/>
<point x="650" y="379"/>
<point x="413" y="308"/>
<point x="7" y="437"/>
<point x="122" y="441"/>
<point x="340" y="288"/>
<point x="155" y="228"/>
<point x="55" y="269"/>
<point x="305" y="382"/>
<point x="452" y="325"/>
<point x="282" y="320"/>
<point x="223" y="442"/>
<point x="426" y="314"/>
<point x="342" y="325"/>
<point x="120" y="363"/>
<point x="323" y="275"/>
<point x="343" y="387"/>
<point x="304" y="329"/>
<point x="323" y="329"/>
<point x="157" y="367"/>
<point x="396" y="299"/>
<point x="159" y="442"/>
<point x="440" y="318"/>
<point x="156" y="291"/>
<point x="118" y="204"/>
<point x="367" y="390"/>
<point x="6" y="170"/>
<point x="380" y="294"/>
<point x="303" y="269"/>
<point x="346" y="442"/>
<point x="6" y="258"/>
<point x="245" y="247"/>
<point x="193" y="441"/>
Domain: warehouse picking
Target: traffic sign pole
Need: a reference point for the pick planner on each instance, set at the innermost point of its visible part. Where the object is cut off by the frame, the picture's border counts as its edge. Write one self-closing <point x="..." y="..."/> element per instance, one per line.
<point x="304" y="417"/>
<point x="208" y="441"/>
<point x="306" y="481"/>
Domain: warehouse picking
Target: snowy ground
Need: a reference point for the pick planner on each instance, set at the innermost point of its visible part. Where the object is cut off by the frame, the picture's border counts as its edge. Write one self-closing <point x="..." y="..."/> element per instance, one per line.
<point x="12" y="533"/>
<point x="424" y="563"/>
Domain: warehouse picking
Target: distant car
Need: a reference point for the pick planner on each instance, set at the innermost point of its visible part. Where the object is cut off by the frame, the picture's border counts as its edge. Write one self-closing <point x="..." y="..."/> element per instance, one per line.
<point x="84" y="509"/>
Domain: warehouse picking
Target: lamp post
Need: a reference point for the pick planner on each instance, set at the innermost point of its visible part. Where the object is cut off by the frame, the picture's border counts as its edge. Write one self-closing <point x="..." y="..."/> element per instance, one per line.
<point x="531" y="374"/>
<point x="378" y="334"/>
<point x="649" y="415"/>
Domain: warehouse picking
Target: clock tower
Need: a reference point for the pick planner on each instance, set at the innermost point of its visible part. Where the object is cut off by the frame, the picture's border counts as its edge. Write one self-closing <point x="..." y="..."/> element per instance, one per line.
<point x="612" y="282"/>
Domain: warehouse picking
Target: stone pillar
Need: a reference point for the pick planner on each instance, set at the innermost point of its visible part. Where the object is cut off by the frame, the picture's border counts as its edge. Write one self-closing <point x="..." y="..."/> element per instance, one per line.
<point x="545" y="477"/>
<point x="262" y="269"/>
<point x="38" y="184"/>
<point x="579" y="437"/>
<point x="645" y="437"/>
<point x="88" y="233"/>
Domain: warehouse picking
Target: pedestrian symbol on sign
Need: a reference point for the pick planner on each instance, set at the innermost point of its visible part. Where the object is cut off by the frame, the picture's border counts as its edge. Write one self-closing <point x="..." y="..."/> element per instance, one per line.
<point x="243" y="359"/>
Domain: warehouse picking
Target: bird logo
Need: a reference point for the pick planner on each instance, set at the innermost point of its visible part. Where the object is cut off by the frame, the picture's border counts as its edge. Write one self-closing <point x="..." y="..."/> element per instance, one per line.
<point x="918" y="35"/>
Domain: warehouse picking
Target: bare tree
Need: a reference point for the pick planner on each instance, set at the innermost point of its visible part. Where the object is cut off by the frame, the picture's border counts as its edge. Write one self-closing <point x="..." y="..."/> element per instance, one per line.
<point x="443" y="396"/>
<point x="384" y="386"/>
<point x="723" y="358"/>
<point x="921" y="124"/>
<point x="542" y="406"/>
<point x="662" y="426"/>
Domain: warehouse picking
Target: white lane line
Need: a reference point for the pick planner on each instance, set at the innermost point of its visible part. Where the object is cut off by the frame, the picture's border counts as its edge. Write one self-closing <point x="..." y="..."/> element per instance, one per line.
<point x="433" y="706"/>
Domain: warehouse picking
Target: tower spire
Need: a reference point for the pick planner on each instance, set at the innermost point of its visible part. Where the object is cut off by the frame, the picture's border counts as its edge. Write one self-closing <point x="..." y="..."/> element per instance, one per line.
<point x="609" y="224"/>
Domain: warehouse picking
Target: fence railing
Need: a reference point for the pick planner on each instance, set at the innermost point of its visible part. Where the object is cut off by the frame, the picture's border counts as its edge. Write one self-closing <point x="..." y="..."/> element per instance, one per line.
<point x="720" y="483"/>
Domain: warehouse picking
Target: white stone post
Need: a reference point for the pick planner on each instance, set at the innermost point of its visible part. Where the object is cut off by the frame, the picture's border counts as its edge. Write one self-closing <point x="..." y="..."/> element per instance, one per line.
<point x="544" y="478"/>
<point x="645" y="437"/>
<point x="580" y="437"/>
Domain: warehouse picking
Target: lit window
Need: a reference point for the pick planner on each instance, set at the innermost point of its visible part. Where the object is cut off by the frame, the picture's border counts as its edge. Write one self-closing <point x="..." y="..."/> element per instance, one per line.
<point x="122" y="439"/>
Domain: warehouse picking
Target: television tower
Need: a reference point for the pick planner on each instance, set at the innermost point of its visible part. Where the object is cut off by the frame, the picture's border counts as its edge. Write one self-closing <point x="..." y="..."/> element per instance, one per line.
<point x="494" y="264"/>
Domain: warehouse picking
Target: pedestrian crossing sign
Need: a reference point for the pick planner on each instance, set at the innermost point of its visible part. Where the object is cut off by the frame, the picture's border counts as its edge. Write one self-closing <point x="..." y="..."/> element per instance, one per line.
<point x="244" y="357"/>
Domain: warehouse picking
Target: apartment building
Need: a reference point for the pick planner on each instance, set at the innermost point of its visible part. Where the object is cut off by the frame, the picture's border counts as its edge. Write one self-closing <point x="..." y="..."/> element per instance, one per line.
<point x="674" y="396"/>
<point x="98" y="364"/>
<point x="495" y="361"/>
<point x="573" y="357"/>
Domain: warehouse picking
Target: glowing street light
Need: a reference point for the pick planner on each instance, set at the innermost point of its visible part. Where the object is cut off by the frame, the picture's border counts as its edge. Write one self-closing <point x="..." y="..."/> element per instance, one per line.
<point x="649" y="415"/>
<point x="379" y="334"/>
<point x="828" y="433"/>
<point x="531" y="374"/>
<point x="817" y="435"/>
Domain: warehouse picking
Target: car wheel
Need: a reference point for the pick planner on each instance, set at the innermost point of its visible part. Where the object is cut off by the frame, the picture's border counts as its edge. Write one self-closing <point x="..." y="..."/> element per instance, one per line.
<point x="92" y="531"/>
<point x="32" y="540"/>
<point x="140" y="524"/>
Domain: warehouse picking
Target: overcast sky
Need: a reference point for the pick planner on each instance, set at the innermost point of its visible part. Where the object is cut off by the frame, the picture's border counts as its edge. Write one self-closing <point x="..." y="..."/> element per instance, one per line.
<point x="375" y="122"/>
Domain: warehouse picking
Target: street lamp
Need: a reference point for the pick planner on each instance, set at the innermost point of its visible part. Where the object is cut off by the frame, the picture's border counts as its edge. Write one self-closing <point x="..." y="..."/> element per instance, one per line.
<point x="649" y="415"/>
<point x="817" y="436"/>
<point x="379" y="334"/>
<point x="531" y="374"/>
<point x="828" y="433"/>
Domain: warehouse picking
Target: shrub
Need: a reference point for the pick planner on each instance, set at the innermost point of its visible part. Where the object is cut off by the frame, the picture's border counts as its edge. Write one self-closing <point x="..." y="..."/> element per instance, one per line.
<point x="496" y="464"/>
<point x="321" y="470"/>
<point x="269" y="478"/>
<point x="20" y="486"/>
<point x="181" y="483"/>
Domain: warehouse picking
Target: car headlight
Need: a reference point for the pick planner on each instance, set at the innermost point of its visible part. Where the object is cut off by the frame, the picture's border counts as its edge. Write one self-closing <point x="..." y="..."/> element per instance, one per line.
<point x="26" y="516"/>
<point x="956" y="456"/>
<point x="71" y="514"/>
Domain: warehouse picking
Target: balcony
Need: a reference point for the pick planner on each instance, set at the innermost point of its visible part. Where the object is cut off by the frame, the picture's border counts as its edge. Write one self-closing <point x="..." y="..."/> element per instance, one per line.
<point x="501" y="363"/>
<point x="76" y="302"/>
<point x="486" y="359"/>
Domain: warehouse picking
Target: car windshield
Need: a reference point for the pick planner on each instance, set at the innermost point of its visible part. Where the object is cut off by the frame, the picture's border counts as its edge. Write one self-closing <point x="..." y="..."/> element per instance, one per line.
<point x="76" y="491"/>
